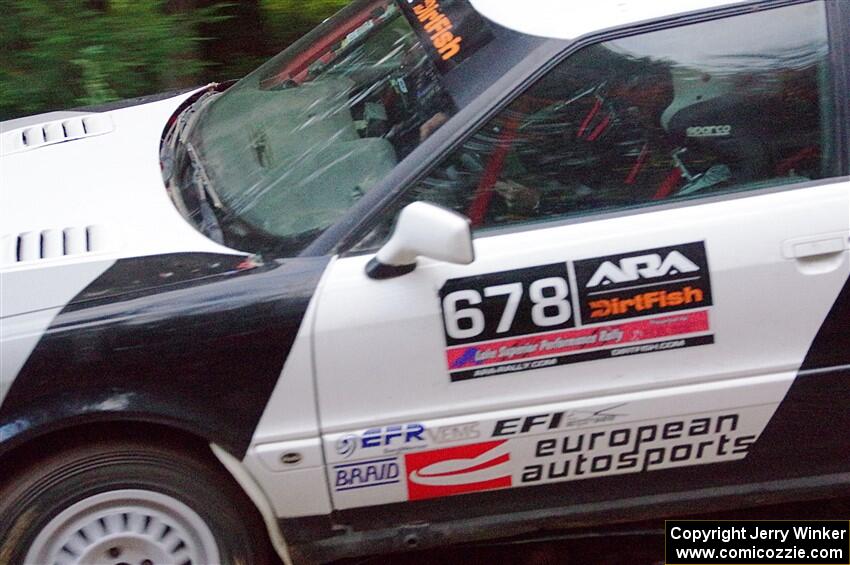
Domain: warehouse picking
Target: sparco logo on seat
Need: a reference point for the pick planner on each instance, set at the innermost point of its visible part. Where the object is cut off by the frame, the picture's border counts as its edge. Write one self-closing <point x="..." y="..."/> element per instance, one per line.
<point x="708" y="131"/>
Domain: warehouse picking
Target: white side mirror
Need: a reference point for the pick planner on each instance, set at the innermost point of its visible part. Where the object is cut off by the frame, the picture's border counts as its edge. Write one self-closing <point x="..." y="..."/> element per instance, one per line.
<point x="425" y="230"/>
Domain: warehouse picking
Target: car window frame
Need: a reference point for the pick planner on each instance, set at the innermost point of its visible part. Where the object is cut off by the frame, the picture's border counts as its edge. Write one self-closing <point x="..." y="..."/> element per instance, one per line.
<point x="837" y="13"/>
<point x="838" y="27"/>
<point x="365" y="215"/>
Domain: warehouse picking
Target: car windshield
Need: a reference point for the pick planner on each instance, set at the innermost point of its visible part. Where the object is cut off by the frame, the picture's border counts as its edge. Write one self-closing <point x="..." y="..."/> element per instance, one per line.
<point x="292" y="146"/>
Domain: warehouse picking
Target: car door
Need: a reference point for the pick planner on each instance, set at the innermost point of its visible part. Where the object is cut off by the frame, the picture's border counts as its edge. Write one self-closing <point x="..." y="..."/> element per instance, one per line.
<point x="634" y="326"/>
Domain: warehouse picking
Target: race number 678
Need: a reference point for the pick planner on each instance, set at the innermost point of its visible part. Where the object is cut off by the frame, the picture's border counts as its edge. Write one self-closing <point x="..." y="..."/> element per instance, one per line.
<point x="548" y="298"/>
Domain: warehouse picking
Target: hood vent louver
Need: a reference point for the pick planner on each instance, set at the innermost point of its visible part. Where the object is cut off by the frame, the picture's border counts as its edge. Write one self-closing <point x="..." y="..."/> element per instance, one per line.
<point x="58" y="131"/>
<point x="55" y="243"/>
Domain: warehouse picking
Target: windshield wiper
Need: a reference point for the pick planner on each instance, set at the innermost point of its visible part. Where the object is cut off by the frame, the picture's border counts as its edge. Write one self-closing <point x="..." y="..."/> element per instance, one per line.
<point x="208" y="200"/>
<point x="185" y="171"/>
<point x="186" y="118"/>
<point x="202" y="181"/>
<point x="176" y="134"/>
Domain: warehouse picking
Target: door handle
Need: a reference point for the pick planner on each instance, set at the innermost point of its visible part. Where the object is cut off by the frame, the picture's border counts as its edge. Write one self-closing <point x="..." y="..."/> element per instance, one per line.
<point x="816" y="245"/>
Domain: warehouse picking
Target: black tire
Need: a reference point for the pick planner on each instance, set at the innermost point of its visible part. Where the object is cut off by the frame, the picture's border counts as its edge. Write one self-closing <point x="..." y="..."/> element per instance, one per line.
<point x="39" y="491"/>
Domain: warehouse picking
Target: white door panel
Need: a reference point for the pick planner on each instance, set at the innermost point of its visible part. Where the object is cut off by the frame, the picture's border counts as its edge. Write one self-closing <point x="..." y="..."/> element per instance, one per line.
<point x="380" y="344"/>
<point x="285" y="457"/>
<point x="735" y="412"/>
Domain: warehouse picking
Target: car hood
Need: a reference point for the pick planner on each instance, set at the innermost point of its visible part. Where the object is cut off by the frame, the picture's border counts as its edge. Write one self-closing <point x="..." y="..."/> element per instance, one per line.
<point x="92" y="171"/>
<point x="79" y="191"/>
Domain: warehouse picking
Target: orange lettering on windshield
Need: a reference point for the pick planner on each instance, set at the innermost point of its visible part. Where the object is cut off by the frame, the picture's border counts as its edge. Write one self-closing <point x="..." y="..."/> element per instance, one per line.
<point x="439" y="28"/>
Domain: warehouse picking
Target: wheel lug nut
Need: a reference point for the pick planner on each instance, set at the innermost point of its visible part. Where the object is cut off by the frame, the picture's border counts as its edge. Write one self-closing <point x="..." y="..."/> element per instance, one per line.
<point x="114" y="551"/>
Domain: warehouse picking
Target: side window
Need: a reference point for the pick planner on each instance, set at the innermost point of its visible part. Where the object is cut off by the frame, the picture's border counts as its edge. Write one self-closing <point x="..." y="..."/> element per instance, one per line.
<point x="722" y="106"/>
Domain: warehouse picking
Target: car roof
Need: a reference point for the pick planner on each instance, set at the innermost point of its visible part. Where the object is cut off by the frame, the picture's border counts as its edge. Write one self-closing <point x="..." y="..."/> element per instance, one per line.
<point x="569" y="19"/>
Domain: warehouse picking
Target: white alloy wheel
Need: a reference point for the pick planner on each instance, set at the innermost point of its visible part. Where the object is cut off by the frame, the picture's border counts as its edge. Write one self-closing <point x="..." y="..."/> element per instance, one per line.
<point x="125" y="527"/>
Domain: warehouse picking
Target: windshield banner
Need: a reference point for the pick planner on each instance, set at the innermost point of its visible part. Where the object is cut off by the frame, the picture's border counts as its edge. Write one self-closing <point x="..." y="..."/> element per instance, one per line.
<point x="450" y="30"/>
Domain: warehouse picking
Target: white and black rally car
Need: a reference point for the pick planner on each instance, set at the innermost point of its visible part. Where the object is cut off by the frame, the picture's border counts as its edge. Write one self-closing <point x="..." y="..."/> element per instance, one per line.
<point x="442" y="270"/>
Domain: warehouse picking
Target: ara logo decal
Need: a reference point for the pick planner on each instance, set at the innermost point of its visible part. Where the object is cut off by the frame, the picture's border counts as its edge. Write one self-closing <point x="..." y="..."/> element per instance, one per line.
<point x="642" y="283"/>
<point x="458" y="470"/>
<point x="641" y="267"/>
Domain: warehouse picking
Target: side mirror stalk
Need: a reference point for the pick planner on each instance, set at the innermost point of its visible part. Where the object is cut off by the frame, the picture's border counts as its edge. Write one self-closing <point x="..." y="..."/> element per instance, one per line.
<point x="377" y="270"/>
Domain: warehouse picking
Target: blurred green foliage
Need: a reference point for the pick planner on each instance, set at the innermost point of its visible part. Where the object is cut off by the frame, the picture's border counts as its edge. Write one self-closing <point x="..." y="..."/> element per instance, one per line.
<point x="254" y="31"/>
<point x="58" y="54"/>
<point x="288" y="20"/>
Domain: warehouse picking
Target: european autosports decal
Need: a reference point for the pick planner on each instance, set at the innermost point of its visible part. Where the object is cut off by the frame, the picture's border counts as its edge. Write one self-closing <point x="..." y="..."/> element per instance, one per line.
<point x="570" y="312"/>
<point x="421" y="461"/>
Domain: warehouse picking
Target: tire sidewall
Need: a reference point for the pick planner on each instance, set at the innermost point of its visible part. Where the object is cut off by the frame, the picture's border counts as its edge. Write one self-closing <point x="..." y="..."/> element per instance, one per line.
<point x="35" y="498"/>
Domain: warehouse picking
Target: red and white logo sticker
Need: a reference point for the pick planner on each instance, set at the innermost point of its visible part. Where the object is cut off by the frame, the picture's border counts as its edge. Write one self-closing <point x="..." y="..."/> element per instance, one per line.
<point x="457" y="470"/>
